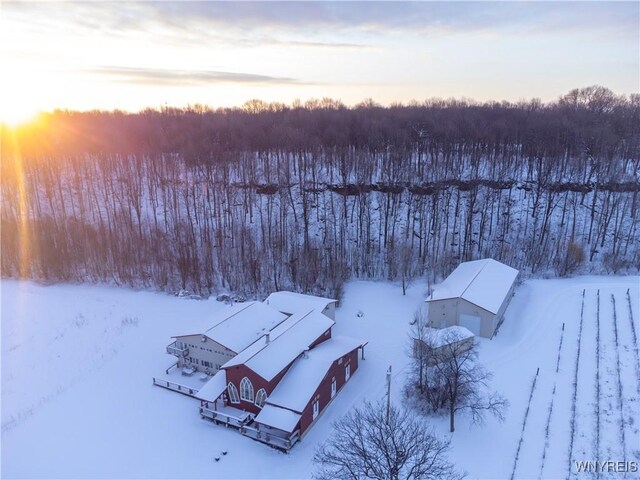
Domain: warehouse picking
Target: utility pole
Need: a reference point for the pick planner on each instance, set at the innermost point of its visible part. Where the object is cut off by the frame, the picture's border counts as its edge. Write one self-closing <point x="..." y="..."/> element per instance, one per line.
<point x="388" y="392"/>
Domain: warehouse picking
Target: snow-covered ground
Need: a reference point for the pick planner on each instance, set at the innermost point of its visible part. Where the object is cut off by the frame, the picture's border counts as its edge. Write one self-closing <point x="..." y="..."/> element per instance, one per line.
<point x="77" y="398"/>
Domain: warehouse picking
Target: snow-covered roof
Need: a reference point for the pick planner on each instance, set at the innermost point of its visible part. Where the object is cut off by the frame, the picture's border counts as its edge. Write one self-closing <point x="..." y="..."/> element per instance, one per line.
<point x="484" y="283"/>
<point x="291" y="302"/>
<point x="439" y="337"/>
<point x="240" y="325"/>
<point x="301" y="381"/>
<point x="279" y="418"/>
<point x="214" y="387"/>
<point x="286" y="342"/>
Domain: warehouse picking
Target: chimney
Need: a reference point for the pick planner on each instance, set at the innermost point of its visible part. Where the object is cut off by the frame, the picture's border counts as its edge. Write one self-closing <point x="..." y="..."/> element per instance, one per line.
<point x="267" y="338"/>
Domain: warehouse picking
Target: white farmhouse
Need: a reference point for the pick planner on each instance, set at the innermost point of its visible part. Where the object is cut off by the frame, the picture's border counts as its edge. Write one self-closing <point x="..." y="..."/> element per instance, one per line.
<point x="234" y="329"/>
<point x="291" y="302"/>
<point x="474" y="296"/>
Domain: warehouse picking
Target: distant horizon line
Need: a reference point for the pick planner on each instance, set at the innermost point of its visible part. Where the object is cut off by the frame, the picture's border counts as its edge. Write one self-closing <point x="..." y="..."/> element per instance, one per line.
<point x="331" y="103"/>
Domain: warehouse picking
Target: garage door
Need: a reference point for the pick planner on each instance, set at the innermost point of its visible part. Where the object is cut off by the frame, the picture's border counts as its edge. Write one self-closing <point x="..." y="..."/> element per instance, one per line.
<point x="471" y="323"/>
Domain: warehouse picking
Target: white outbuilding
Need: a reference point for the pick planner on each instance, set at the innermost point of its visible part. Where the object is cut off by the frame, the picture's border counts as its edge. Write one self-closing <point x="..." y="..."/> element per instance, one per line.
<point x="474" y="296"/>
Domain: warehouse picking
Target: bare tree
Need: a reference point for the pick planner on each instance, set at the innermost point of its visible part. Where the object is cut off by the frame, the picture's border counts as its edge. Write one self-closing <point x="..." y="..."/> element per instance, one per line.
<point x="366" y="444"/>
<point x="418" y="347"/>
<point x="303" y="197"/>
<point x="457" y="373"/>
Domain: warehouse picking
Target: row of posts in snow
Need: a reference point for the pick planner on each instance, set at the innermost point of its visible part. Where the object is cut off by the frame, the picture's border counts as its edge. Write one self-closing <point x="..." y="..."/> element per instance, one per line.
<point x="574" y="399"/>
<point x="600" y="396"/>
<point x="623" y="439"/>
<point x="524" y="424"/>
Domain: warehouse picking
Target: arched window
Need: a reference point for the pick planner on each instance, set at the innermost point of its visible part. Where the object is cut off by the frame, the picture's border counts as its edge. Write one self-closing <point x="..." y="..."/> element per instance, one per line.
<point x="261" y="397"/>
<point x="246" y="390"/>
<point x="233" y="393"/>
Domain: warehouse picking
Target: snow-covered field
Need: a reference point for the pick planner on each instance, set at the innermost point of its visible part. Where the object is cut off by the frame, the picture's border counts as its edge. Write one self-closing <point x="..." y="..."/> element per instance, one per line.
<point x="77" y="398"/>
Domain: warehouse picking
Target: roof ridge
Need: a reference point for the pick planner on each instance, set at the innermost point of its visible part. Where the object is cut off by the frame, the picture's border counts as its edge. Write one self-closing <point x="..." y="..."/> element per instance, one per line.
<point x="486" y="260"/>
<point x="270" y="342"/>
<point x="249" y="304"/>
<point x="288" y="329"/>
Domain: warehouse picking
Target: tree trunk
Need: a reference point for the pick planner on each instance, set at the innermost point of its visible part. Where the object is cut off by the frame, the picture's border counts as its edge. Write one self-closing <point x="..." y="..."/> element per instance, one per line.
<point x="451" y="417"/>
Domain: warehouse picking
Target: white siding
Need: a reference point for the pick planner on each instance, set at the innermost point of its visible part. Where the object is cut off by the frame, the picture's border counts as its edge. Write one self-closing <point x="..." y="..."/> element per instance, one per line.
<point x="200" y="352"/>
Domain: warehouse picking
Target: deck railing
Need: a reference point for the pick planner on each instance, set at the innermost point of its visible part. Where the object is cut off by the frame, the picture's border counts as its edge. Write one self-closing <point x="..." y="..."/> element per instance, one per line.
<point x="222" y="417"/>
<point x="271" y="439"/>
<point x="207" y="410"/>
<point x="176" y="387"/>
<point x="172" y="349"/>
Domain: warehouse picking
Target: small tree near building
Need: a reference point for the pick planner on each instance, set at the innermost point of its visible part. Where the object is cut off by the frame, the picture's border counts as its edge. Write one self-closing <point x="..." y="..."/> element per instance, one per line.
<point x="367" y="445"/>
<point x="453" y="378"/>
<point x="417" y="349"/>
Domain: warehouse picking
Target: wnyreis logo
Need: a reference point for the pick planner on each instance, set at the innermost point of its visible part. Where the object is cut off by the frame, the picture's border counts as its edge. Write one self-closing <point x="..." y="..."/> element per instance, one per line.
<point x="607" y="466"/>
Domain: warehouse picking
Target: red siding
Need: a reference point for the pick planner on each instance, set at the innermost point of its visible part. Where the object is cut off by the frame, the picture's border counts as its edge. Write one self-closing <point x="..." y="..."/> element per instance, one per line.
<point x="235" y="376"/>
<point x="237" y="373"/>
<point x="323" y="392"/>
<point x="325" y="336"/>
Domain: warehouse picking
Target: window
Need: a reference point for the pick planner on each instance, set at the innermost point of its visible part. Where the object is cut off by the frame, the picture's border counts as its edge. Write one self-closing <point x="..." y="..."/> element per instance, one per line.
<point x="316" y="408"/>
<point x="347" y="372"/>
<point x="233" y="393"/>
<point x="246" y="390"/>
<point x="261" y="397"/>
<point x="333" y="387"/>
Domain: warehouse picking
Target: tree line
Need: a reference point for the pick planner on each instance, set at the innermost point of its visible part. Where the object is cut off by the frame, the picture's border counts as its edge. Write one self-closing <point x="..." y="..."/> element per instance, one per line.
<point x="270" y="196"/>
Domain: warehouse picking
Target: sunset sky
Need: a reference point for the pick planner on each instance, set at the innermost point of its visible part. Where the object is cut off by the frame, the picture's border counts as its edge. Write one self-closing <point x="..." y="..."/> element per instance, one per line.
<point x="128" y="56"/>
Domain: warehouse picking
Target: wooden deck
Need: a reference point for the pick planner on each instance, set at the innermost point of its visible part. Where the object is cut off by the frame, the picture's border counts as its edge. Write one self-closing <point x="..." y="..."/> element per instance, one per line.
<point x="242" y="421"/>
<point x="175" y="387"/>
<point x="172" y="349"/>
<point x="271" y="439"/>
<point x="227" y="416"/>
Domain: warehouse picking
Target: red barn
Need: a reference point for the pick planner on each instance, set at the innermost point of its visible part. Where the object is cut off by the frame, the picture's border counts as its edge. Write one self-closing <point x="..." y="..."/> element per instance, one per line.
<point x="275" y="388"/>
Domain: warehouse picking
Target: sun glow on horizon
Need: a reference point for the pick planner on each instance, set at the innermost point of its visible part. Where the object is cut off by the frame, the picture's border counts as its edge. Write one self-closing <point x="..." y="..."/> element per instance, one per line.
<point x="13" y="114"/>
<point x="279" y="54"/>
<point x="15" y="109"/>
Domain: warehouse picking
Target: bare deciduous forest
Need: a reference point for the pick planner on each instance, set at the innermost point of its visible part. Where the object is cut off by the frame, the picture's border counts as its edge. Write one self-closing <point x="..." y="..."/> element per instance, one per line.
<point x="270" y="197"/>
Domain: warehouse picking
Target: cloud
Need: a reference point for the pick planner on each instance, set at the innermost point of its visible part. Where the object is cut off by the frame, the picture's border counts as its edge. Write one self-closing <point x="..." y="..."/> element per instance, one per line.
<point x="156" y="76"/>
<point x="336" y="25"/>
<point x="420" y="17"/>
